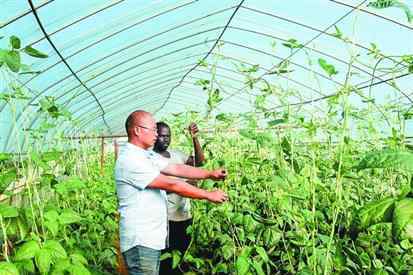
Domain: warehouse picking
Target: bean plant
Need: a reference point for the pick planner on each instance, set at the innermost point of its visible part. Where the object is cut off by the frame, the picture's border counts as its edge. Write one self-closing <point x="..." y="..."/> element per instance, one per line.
<point x="323" y="192"/>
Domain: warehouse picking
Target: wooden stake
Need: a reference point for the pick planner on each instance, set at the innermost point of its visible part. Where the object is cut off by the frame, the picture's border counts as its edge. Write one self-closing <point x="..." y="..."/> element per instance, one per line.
<point x="102" y="155"/>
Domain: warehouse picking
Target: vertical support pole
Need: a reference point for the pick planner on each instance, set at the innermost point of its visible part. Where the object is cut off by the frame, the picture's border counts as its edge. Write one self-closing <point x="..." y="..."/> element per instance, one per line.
<point x="116" y="148"/>
<point x="102" y="155"/>
<point x="120" y="262"/>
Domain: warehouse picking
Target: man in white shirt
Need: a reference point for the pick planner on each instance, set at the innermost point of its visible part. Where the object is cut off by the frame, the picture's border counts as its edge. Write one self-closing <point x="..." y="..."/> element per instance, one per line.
<point x="141" y="181"/>
<point x="179" y="215"/>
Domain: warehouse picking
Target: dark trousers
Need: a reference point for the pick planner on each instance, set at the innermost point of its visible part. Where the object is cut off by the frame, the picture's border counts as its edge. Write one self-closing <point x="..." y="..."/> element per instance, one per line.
<point x="178" y="240"/>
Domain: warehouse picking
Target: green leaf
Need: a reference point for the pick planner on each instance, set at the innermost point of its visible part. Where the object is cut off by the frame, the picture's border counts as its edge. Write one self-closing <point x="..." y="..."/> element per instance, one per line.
<point x="373" y="213"/>
<point x="55" y="248"/>
<point x="7" y="211"/>
<point x="28" y="265"/>
<point x="60" y="266"/>
<point x="338" y="34"/>
<point x="165" y="256"/>
<point x="263" y="254"/>
<point x="227" y="251"/>
<point x="242" y="265"/>
<point x="5" y="156"/>
<point x="258" y="267"/>
<point x="70" y="185"/>
<point x="292" y="44"/>
<point x="15" y="42"/>
<point x="380" y="271"/>
<point x="7" y="268"/>
<point x="51" y="215"/>
<point x="27" y="251"/>
<point x="78" y="269"/>
<point x="52" y="226"/>
<point x="43" y="260"/>
<point x="78" y="259"/>
<point x="276" y="122"/>
<point x="69" y="216"/>
<point x="387" y="159"/>
<point x="12" y="59"/>
<point x="3" y="54"/>
<point x="403" y="220"/>
<point x="220" y="268"/>
<point x="35" y="53"/>
<point x="383" y="4"/>
<point x="328" y="68"/>
<point x="406" y="244"/>
<point x="176" y="258"/>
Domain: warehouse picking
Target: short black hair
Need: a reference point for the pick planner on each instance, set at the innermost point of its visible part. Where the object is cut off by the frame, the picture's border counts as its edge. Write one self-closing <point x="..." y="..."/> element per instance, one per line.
<point x="129" y="122"/>
<point x="161" y="124"/>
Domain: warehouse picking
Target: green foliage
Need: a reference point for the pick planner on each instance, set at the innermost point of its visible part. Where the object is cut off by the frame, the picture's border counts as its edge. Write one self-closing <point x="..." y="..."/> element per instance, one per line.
<point x="27" y="251"/>
<point x="7" y="211"/>
<point x="403" y="220"/>
<point x="35" y="53"/>
<point x="49" y="106"/>
<point x="282" y="68"/>
<point x="213" y="98"/>
<point x="12" y="60"/>
<point x="7" y="268"/>
<point x="328" y="68"/>
<point x="12" y="57"/>
<point x="292" y="44"/>
<point x="373" y="213"/>
<point x="383" y="4"/>
<point x="15" y="42"/>
<point x="387" y="158"/>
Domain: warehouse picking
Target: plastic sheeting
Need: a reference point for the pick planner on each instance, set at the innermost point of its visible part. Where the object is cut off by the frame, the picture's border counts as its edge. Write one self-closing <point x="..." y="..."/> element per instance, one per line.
<point x="112" y="57"/>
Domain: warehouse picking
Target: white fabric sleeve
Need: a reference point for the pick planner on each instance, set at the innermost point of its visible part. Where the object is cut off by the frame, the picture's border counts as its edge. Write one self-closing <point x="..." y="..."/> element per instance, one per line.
<point x="182" y="156"/>
<point x="139" y="172"/>
<point x="160" y="161"/>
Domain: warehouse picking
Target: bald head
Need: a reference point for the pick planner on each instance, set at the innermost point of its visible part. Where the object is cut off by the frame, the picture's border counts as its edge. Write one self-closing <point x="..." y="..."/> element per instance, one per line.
<point x="136" y="118"/>
<point x="141" y="128"/>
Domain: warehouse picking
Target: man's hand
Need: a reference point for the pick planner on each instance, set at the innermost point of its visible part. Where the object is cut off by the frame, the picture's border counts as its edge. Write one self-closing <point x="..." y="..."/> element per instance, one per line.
<point x="193" y="130"/>
<point x="217" y="196"/>
<point x="219" y="174"/>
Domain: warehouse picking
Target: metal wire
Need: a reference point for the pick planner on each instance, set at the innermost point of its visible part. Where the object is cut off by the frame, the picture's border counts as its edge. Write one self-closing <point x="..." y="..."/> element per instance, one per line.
<point x="24" y="14"/>
<point x="111" y="5"/>
<point x="305" y="44"/>
<point x="206" y="56"/>
<point x="374" y="14"/>
<point x="67" y="65"/>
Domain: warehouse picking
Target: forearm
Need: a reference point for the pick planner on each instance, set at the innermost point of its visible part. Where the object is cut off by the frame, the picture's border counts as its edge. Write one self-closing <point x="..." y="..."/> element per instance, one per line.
<point x="179" y="187"/>
<point x="186" y="171"/>
<point x="199" y="154"/>
<point x="189" y="191"/>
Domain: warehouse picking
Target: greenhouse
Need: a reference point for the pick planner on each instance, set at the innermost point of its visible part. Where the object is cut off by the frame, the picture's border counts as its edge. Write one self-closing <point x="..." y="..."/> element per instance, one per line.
<point x="290" y="126"/>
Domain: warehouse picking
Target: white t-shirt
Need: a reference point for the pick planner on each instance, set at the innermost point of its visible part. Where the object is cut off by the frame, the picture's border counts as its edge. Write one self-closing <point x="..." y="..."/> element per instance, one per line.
<point x="143" y="211"/>
<point x="179" y="208"/>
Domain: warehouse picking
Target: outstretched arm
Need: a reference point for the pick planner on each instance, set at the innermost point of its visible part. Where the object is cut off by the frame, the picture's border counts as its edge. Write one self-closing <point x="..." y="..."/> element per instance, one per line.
<point x="199" y="154"/>
<point x="186" y="190"/>
<point x="189" y="172"/>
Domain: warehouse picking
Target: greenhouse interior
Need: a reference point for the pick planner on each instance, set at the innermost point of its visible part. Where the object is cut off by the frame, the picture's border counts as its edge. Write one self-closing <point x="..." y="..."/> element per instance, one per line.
<point x="291" y="123"/>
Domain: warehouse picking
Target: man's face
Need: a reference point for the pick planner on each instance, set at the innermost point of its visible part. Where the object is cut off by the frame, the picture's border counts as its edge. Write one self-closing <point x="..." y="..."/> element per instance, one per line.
<point x="164" y="138"/>
<point x="147" y="132"/>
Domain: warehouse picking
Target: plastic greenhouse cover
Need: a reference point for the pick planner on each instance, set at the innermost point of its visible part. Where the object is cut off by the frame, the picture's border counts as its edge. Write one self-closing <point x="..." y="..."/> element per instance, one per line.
<point x="108" y="58"/>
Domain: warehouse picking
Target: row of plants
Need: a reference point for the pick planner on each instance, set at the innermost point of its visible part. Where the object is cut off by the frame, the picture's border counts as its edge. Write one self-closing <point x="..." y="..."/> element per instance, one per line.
<point x="57" y="211"/>
<point x="310" y="193"/>
<point x="327" y="191"/>
<point x="63" y="220"/>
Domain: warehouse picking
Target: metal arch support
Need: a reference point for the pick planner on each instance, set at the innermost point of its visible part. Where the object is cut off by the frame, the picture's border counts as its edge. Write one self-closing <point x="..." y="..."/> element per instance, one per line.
<point x="223" y="68"/>
<point x="311" y="40"/>
<point x="65" y="62"/>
